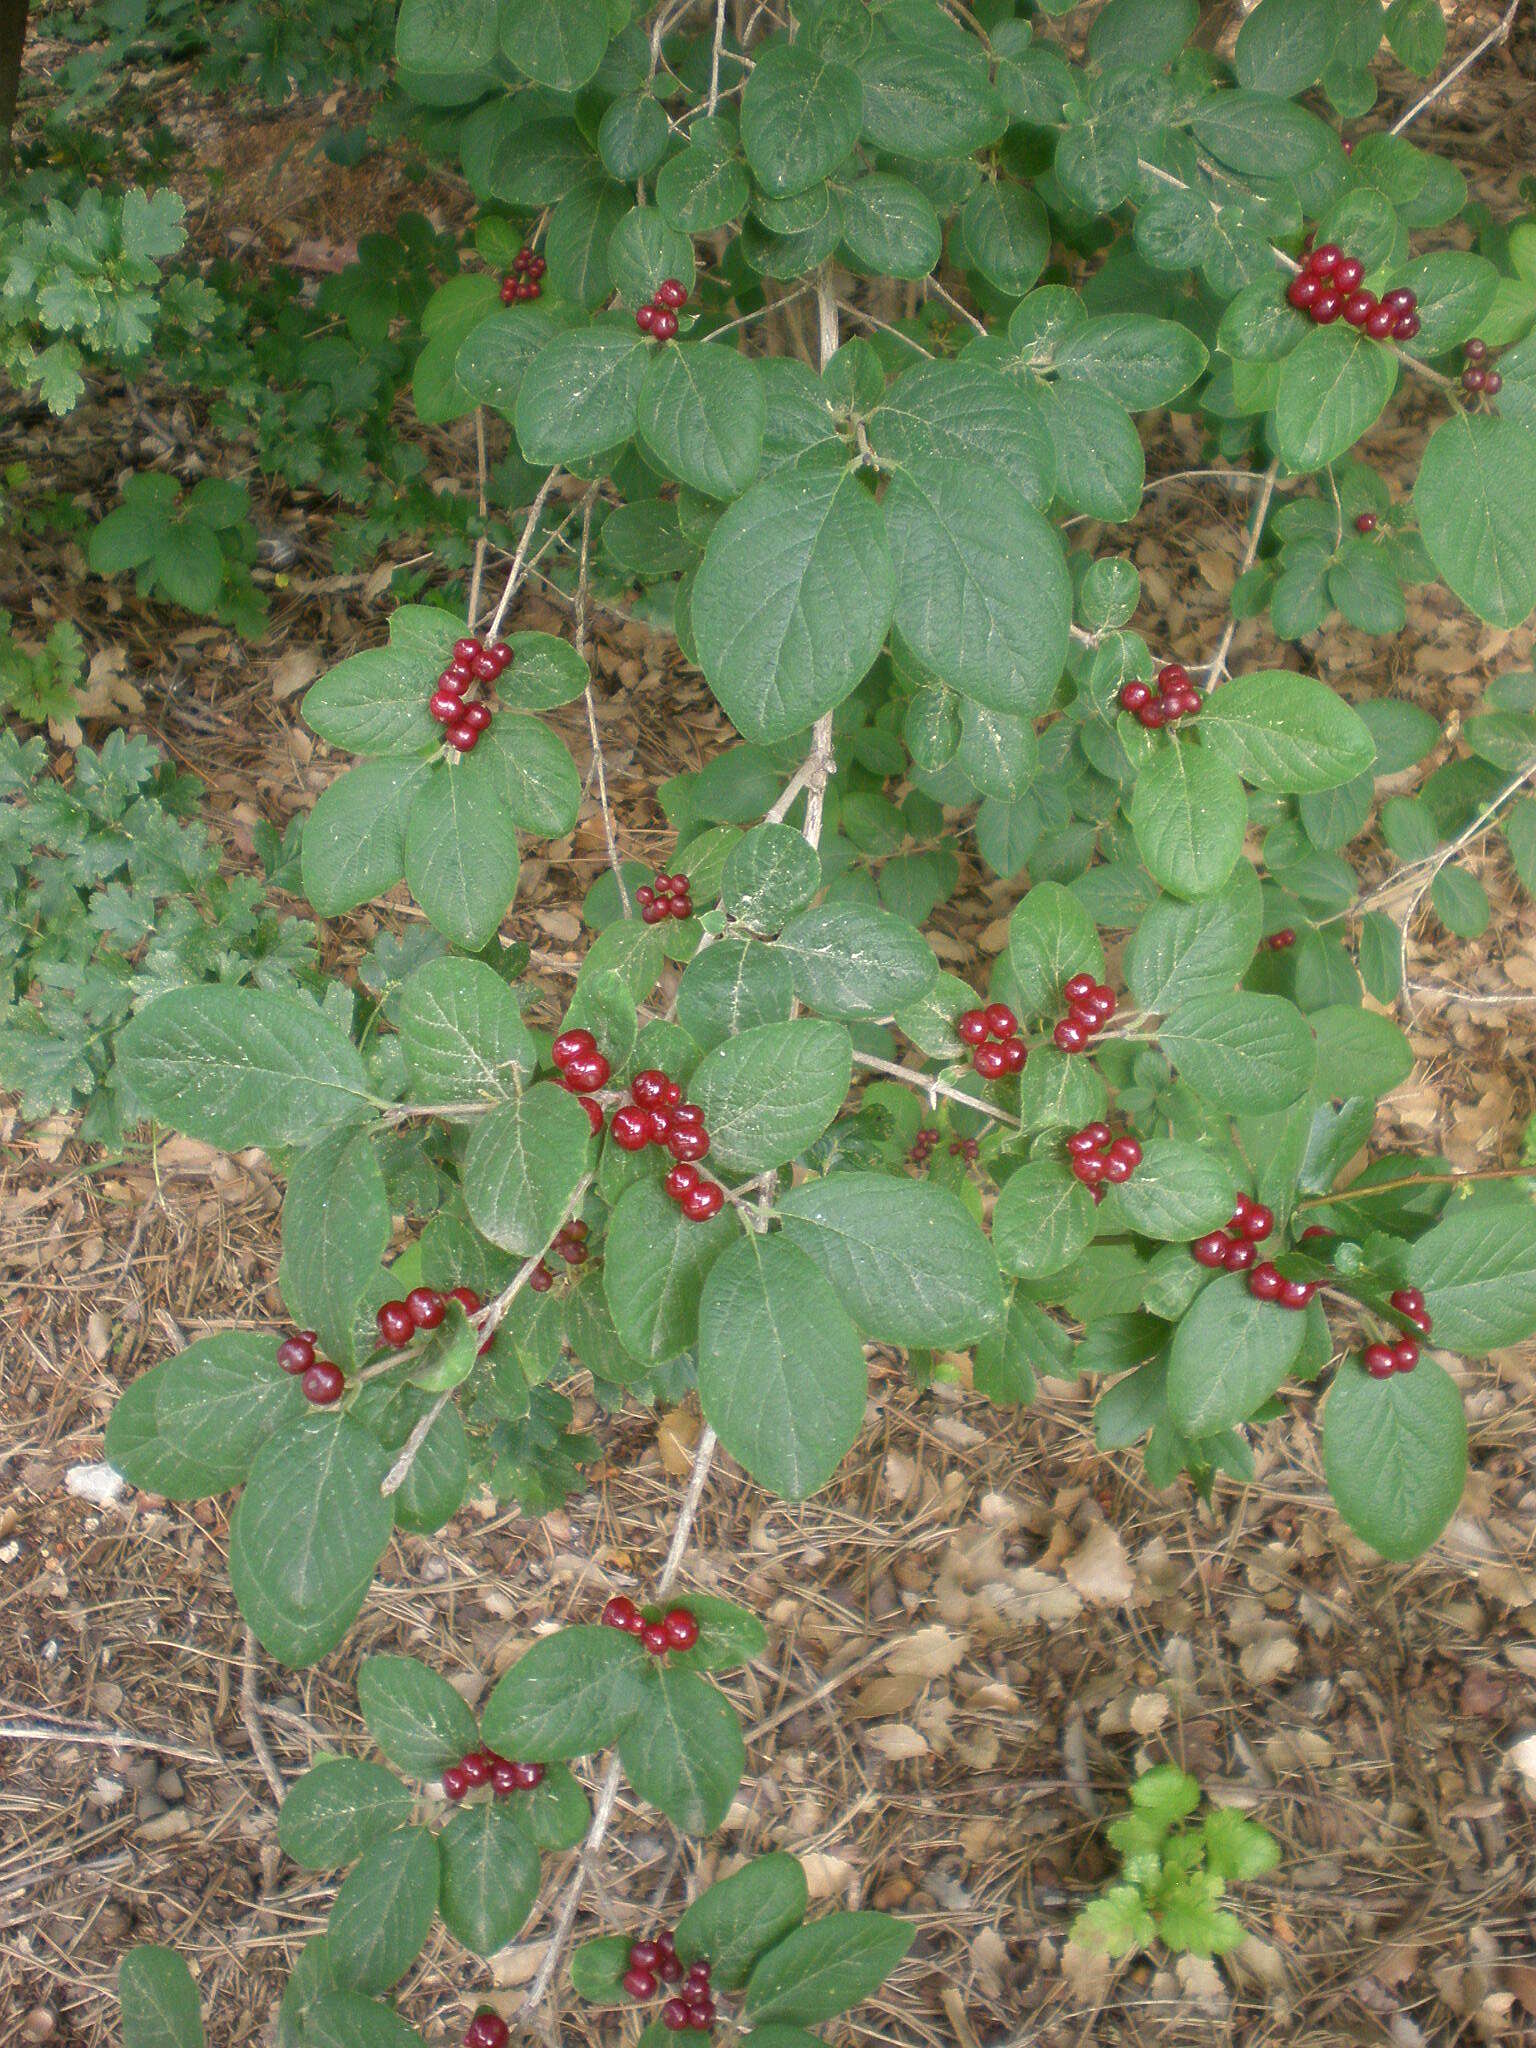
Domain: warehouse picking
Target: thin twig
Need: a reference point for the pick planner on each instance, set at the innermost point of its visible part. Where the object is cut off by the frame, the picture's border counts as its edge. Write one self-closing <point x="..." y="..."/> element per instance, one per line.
<point x="1441" y="857"/>
<point x="519" y="560"/>
<point x="1216" y="667"/>
<point x="400" y="1471"/>
<point x="599" y="773"/>
<point x="885" y="327"/>
<point x="1499" y="34"/>
<point x="714" y="61"/>
<point x="1415" y="1180"/>
<point x="931" y="1086"/>
<point x="479" y="568"/>
<point x="931" y="283"/>
<point x="250" y="1715"/>
<point x="107" y="1738"/>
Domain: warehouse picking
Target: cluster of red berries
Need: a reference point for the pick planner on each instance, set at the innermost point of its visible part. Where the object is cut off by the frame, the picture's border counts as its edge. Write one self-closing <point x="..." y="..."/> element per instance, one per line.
<point x="527" y="269"/>
<point x="322" y="1382"/>
<point x="1095" y="1157"/>
<point x="1329" y="287"/>
<point x="1172" y="696"/>
<point x="656" y="1114"/>
<point x="1005" y="1054"/>
<point x="1267" y="1283"/>
<point x="922" y="1146"/>
<point x="1476" y="375"/>
<point x="667" y="896"/>
<point x="1382" y="1360"/>
<point x="571" y="1245"/>
<point x="1280" y="941"/>
<point x="1090" y="1005"/>
<point x="1233" y="1248"/>
<point x="659" y="318"/>
<point x="485" y="1767"/>
<point x="471" y="662"/>
<point x="422" y="1309"/>
<point x="677" y="1629"/>
<point x="487" y="2030"/>
<point x="654" y="1962"/>
<point x="968" y="1149"/>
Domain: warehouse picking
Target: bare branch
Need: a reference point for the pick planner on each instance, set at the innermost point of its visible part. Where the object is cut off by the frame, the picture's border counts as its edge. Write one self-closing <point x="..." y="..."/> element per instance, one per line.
<point x="520" y="559"/>
<point x="599" y="773"/>
<point x="1499" y="34"/>
<point x="931" y="1086"/>
<point x="1216" y="667"/>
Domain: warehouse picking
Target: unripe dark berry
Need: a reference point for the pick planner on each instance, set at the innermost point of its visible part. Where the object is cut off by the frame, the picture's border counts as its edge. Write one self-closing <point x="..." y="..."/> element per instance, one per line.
<point x="323" y="1383"/>
<point x="427" y="1307"/>
<point x="1493" y="383"/>
<point x="296" y="1354"/>
<point x="682" y="1628"/>
<point x="541" y="1279"/>
<point x="703" y="1201"/>
<point x="1475" y="349"/>
<point x="397" y="1326"/>
<point x="1365" y="522"/>
<point x="1473" y="378"/>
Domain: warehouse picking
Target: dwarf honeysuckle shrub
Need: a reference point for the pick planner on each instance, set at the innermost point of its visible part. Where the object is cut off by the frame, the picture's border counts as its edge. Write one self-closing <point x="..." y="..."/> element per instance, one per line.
<point x="834" y="343"/>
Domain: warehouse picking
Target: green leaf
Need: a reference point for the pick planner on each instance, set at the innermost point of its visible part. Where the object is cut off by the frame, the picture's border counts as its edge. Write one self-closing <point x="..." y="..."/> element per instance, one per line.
<point x="489" y="362"/>
<point x="522" y="1165"/>
<point x="908" y="1261"/>
<point x="700" y="189"/>
<point x="1007" y="235"/>
<point x="555" y="1813"/>
<point x="781" y="1369"/>
<point x="460" y="855"/>
<point x="558" y="43"/>
<point x="654" y="1267"/>
<point x="825" y="1967"/>
<point x="192" y="1425"/>
<point x="1229" y="1354"/>
<point x="443" y="38"/>
<point x="1050" y="938"/>
<point x="1247" y="1054"/>
<point x="1029" y="1346"/>
<point x="684" y="1750"/>
<point x="490" y="1876"/>
<point x="1100" y="466"/>
<point x="645" y="248"/>
<point x="1116" y="1923"/>
<point x="1475" y="500"/>
<point x="1284" y="45"/>
<point x="572" y="1693"/>
<point x="336" y="1228"/>
<point x="462" y="1032"/>
<point x="732" y="1923"/>
<point x="545" y="672"/>
<point x="383" y="1913"/>
<point x="1260" y="135"/>
<point x="1189" y="817"/>
<point x="345" y="2019"/>
<point x="982" y="592"/>
<point x="376" y="703"/>
<point x="1333" y="385"/>
<point x="1461" y="902"/>
<point x="1477" y="1269"/>
<point x="1358" y="1053"/>
<point x="771" y="1091"/>
<point x="800" y="117"/>
<point x="1395" y="1454"/>
<point x="732" y="987"/>
<point x="597" y="1969"/>
<point x="1180" y="1190"/>
<point x="889" y="227"/>
<point x="1188" y="949"/>
<point x="926" y="100"/>
<point x="1286" y="732"/>
<point x="1165" y="1794"/>
<point x="769" y="874"/>
<point x="1042" y="1219"/>
<point x="792" y="601"/>
<point x="702" y="412"/>
<point x="1134" y="358"/>
<point x="1237" y="1848"/>
<point x="306" y="1535"/>
<point x="851" y="962"/>
<point x="1454" y="290"/>
<point x="580" y="395"/>
<point x="354" y="838"/>
<point x="531" y="776"/>
<point x="335" y="1810"/>
<point x="967" y="413"/>
<point x="239" y="1066"/>
<point x="414" y="1715"/>
<point x="159" y="2000"/>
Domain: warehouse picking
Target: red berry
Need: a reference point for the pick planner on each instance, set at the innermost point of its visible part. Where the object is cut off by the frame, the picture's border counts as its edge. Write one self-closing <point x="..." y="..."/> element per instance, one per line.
<point x="1302" y="291"/>
<point x="630" y="1129"/>
<point x="571" y="1043"/>
<point x="1405" y="326"/>
<point x="684" y="1142"/>
<point x="467" y="1299"/>
<point x="586" y="1071"/>
<point x="1082" y="1142"/>
<point x="476" y="1767"/>
<point x="323" y="1383"/>
<point x="427" y="1307"/>
<point x="457" y="672"/>
<point x="644" y="1955"/>
<point x="1358" y="308"/>
<point x="501" y="654"/>
<point x="1069" y="1036"/>
<point x="664" y="326"/>
<point x="1475" y="349"/>
<point x="1265" y="1282"/>
<point x="1237" y="1258"/>
<point x="1001" y="1021"/>
<point x="639" y="1983"/>
<point x="681" y="907"/>
<point x="487" y="2030"/>
<point x="396" y="1324"/>
<point x="672" y="292"/>
<point x="1102" y="998"/>
<point x="1257" y="1221"/>
<point x="1379" y="323"/>
<point x="1153" y="716"/>
<point x="1090" y="1169"/>
<point x="1172" y="672"/>
<point x="1324" y="261"/>
<point x="505" y="1778"/>
<point x="463" y="736"/>
<point x="674" y="2015"/>
<point x="654" y="912"/>
<point x="465" y="650"/>
<point x="1127" y="1149"/>
<point x="655" y="1638"/>
<point x="1134" y="695"/>
<point x="1015" y="1053"/>
<point x="698" y="1977"/>
<point x="1347" y="273"/>
<point x="1296" y="1293"/>
<point x="621" y="1612"/>
<point x="649" y="1087"/>
<point x="296" y="1354"/>
<point x="478" y="716"/>
<point x="1347" y="146"/>
<point x="443" y="706"/>
<point x="1079" y="986"/>
<point x="701" y="2014"/>
<point x="572" y="1251"/>
<point x="1087" y="1015"/>
<point x="541" y="1279"/>
<point x="990" y="1062"/>
<point x="594" y="1115"/>
<point x="682" y="1628"/>
<point x="681" y="1181"/>
<point x="508" y="290"/>
<point x="1408" y="1299"/>
<point x="1117" y="1167"/>
<point x="1365" y="522"/>
<point x="1327" y="306"/>
<point x="1472" y="378"/>
<point x="665" y="1943"/>
<point x="1315" y="1230"/>
<point x="1493" y="383"/>
<point x="1400" y="299"/>
<point x="1378" y="1362"/>
<point x="704" y="1201"/>
<point x="687" y="1116"/>
<point x="455" y="1783"/>
<point x="1405" y="1355"/>
<point x="483" y="668"/>
<point x="971" y="1027"/>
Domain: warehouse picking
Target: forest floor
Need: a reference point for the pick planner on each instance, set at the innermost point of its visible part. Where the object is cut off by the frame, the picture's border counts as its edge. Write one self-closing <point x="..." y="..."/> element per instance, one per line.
<point x="979" y="1630"/>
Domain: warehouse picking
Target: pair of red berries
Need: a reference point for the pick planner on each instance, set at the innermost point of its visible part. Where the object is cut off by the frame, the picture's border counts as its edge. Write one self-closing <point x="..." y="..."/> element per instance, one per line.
<point x="667" y="896"/>
<point x="1475" y="375"/>
<point x="487" y="2030"/>
<point x="1233" y="1248"/>
<point x="659" y="318"/>
<point x="1280" y="941"/>
<point x="677" y="1629"/>
<point x="1382" y="1360"/>
<point x="471" y="662"/>
<point x="321" y="1381"/>
<point x="1329" y="288"/>
<point x="1267" y="1283"/>
<point x="582" y="1068"/>
<point x="1172" y="696"/>
<point x="1409" y="1302"/>
<point x="1095" y="1158"/>
<point x="1090" y="1005"/>
<point x="698" y="1198"/>
<point x="993" y="1036"/>
<point x="968" y="1149"/>
<point x="571" y="1245"/>
<point x="485" y="1767"/>
<point x="527" y="269"/>
<point x="656" y="1114"/>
